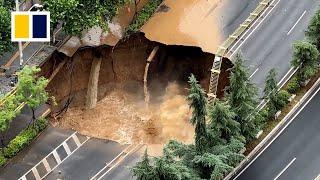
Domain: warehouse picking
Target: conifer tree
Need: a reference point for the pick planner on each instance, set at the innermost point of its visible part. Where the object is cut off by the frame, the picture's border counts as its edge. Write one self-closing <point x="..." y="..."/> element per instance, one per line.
<point x="313" y="31"/>
<point x="143" y="170"/>
<point x="222" y="120"/>
<point x="242" y="97"/>
<point x="197" y="100"/>
<point x="271" y="93"/>
<point x="305" y="56"/>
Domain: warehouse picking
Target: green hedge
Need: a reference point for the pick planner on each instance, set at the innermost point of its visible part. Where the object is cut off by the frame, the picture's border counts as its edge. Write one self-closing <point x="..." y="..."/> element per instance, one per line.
<point x="143" y="16"/>
<point x="3" y="160"/>
<point x="293" y="85"/>
<point x="283" y="98"/>
<point x="24" y="138"/>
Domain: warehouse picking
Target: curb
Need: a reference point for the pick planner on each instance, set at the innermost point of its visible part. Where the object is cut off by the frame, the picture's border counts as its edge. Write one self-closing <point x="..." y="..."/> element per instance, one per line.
<point x="282" y="125"/>
<point x="244" y="27"/>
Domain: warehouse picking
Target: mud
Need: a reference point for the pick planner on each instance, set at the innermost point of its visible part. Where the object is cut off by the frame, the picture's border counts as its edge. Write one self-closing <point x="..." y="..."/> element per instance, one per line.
<point x="188" y="23"/>
<point x="121" y="117"/>
<point x="121" y="113"/>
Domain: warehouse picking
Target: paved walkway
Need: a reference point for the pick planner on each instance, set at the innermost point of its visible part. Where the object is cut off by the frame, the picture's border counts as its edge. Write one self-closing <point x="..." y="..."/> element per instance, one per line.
<point x="43" y="145"/>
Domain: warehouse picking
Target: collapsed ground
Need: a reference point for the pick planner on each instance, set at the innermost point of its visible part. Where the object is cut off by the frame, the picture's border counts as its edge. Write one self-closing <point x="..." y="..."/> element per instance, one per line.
<point x="121" y="113"/>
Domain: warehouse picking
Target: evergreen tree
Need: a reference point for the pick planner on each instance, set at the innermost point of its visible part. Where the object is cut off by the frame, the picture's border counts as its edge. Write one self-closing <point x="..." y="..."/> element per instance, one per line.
<point x="222" y="121"/>
<point x="32" y="90"/>
<point x="242" y="97"/>
<point x="212" y="166"/>
<point x="197" y="100"/>
<point x="143" y="170"/>
<point x="313" y="31"/>
<point x="271" y="92"/>
<point x="305" y="56"/>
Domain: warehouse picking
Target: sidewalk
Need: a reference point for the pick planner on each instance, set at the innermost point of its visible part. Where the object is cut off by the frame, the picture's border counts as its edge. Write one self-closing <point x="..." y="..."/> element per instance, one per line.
<point x="28" y="52"/>
<point x="49" y="139"/>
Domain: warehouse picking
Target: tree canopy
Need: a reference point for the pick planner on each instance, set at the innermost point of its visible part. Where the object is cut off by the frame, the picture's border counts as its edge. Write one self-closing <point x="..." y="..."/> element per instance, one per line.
<point x="313" y="31"/>
<point x="31" y="89"/>
<point x="79" y="15"/>
<point x="5" y="29"/>
<point x="271" y="92"/>
<point x="242" y="97"/>
<point x="198" y="102"/>
<point x="222" y="121"/>
<point x="216" y="150"/>
<point x="305" y="56"/>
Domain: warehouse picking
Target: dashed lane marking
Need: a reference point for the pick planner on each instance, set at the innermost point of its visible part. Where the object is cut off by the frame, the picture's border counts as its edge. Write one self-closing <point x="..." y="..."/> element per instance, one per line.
<point x="296" y="22"/>
<point x="285" y="169"/>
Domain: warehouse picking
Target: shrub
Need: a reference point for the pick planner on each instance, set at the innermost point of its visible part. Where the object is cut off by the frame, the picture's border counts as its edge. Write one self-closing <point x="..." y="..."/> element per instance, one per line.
<point x="283" y="99"/>
<point x="24" y="138"/>
<point x="263" y="114"/>
<point x="293" y="85"/>
<point x="143" y="16"/>
<point x="271" y="111"/>
<point x="3" y="160"/>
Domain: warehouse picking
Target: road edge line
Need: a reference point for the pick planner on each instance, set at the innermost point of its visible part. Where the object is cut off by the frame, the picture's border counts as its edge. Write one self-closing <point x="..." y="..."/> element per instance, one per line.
<point x="282" y="125"/>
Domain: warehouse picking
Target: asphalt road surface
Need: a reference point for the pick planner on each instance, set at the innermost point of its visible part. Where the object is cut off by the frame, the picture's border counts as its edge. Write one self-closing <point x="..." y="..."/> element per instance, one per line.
<point x="294" y="155"/>
<point x="25" y="160"/>
<point x="270" y="45"/>
<point x="87" y="160"/>
<point x="93" y="155"/>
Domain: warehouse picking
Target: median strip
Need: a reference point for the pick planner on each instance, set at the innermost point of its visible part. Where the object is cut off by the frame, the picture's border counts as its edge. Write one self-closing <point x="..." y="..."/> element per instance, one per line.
<point x="276" y="128"/>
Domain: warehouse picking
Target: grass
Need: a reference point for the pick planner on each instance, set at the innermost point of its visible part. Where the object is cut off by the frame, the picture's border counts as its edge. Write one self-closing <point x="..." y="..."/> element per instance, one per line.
<point x="271" y="124"/>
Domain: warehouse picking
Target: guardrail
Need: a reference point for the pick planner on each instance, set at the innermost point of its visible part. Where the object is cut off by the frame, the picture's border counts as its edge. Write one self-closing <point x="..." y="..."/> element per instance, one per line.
<point x="222" y="50"/>
<point x="231" y="40"/>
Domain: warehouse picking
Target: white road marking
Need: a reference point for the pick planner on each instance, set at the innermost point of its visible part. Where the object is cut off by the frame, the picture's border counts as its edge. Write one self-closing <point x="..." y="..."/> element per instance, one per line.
<point x="296" y="22"/>
<point x="283" y="78"/>
<point x="317" y="178"/>
<point x="36" y="173"/>
<point x="56" y="157"/>
<point x="287" y="116"/>
<point x="254" y="73"/>
<point x="285" y="169"/>
<point x="236" y="50"/>
<point x="115" y="162"/>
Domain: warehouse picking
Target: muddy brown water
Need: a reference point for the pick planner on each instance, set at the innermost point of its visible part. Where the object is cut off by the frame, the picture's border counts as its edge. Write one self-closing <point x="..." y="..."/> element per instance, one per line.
<point x="189" y="23"/>
<point x="121" y="113"/>
<point x="120" y="117"/>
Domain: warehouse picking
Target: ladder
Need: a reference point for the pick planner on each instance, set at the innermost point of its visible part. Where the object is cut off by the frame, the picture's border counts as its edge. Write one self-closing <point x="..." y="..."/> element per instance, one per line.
<point x="214" y="78"/>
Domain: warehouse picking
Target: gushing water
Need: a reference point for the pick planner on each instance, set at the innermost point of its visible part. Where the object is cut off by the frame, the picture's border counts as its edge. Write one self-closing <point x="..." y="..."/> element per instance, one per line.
<point x="120" y="117"/>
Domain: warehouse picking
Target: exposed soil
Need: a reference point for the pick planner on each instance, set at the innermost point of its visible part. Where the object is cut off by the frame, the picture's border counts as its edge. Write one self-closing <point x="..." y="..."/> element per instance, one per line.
<point x="121" y="113"/>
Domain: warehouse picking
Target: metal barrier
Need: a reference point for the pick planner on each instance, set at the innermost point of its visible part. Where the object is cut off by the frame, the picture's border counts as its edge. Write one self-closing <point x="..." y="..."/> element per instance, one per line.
<point x="232" y="39"/>
<point x="222" y="50"/>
